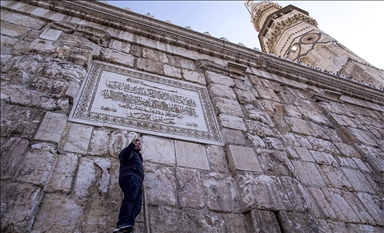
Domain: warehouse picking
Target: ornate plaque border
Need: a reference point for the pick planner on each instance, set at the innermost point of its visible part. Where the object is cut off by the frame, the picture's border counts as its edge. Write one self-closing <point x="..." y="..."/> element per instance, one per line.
<point x="81" y="111"/>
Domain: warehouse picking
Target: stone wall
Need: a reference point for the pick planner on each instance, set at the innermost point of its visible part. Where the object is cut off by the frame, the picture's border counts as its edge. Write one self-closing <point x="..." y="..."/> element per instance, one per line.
<point x="302" y="151"/>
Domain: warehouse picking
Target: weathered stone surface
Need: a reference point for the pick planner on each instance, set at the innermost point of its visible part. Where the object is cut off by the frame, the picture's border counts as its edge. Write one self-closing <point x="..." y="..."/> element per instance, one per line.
<point x="78" y="138"/>
<point x="37" y="164"/>
<point x="19" y="204"/>
<point x="258" y="115"/>
<point x="342" y="209"/>
<point x="232" y="122"/>
<point x="114" y="56"/>
<point x="160" y="185"/>
<point x="63" y="173"/>
<point x="99" y="144"/>
<point x="242" y="159"/>
<point x="324" y="158"/>
<point x="221" y="91"/>
<point x="308" y="173"/>
<point x="267" y="93"/>
<point x="298" y="126"/>
<point x="213" y="77"/>
<point x="52" y="127"/>
<point x="221" y="193"/>
<point x="190" y="190"/>
<point x="92" y="177"/>
<point x="256" y="141"/>
<point x="193" y="76"/>
<point x="298" y="222"/>
<point x="191" y="155"/>
<point x="120" y="46"/>
<point x="11" y="29"/>
<point x="158" y="150"/>
<point x="321" y="201"/>
<point x="304" y="154"/>
<point x="268" y="192"/>
<point x="225" y="106"/>
<point x="373" y="204"/>
<point x="118" y="140"/>
<point x="358" y="180"/>
<point x="11" y="156"/>
<point x="263" y="221"/>
<point x="233" y="136"/>
<point x="71" y="212"/>
<point x="261" y="129"/>
<point x="172" y="71"/>
<point x="336" y="177"/>
<point x="216" y="158"/>
<point x="246" y="96"/>
<point x="19" y="120"/>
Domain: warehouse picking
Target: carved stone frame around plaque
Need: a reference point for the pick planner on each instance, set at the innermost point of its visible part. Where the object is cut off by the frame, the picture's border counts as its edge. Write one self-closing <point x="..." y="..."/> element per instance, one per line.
<point x="119" y="97"/>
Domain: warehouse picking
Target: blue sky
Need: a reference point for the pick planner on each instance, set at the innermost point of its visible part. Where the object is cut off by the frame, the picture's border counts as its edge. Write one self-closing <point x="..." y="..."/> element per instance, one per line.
<point x="358" y="25"/>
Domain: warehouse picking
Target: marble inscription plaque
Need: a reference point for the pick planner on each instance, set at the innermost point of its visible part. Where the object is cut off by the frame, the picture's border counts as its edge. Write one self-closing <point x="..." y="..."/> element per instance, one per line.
<point x="120" y="97"/>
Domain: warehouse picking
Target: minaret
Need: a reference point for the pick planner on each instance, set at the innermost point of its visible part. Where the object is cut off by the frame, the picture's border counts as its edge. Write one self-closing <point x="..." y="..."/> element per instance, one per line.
<point x="291" y="33"/>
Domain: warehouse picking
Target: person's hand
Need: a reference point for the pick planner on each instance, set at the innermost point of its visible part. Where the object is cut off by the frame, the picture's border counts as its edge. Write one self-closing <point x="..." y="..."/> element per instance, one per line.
<point x="136" y="142"/>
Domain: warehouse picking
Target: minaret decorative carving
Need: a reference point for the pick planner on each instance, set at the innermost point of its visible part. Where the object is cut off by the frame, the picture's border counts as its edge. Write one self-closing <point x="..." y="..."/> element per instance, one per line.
<point x="292" y="34"/>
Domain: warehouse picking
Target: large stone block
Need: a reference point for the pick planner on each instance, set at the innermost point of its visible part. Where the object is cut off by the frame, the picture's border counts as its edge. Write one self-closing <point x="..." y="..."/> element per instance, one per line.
<point x="193" y="76"/>
<point x="114" y="56"/>
<point x="336" y="177"/>
<point x="342" y="209"/>
<point x="322" y="202"/>
<point x="172" y="71"/>
<point x="160" y="185"/>
<point x="216" y="158"/>
<point x="63" y="173"/>
<point x="221" y="91"/>
<point x="19" y="204"/>
<point x="92" y="177"/>
<point x="11" y="156"/>
<point x="221" y="193"/>
<point x="298" y="222"/>
<point x="191" y="155"/>
<point x="37" y="164"/>
<point x="190" y="192"/>
<point x="219" y="79"/>
<point x="233" y="136"/>
<point x="243" y="159"/>
<point x="52" y="127"/>
<point x="78" y="138"/>
<point x="158" y="150"/>
<point x="269" y="192"/>
<point x="308" y="173"/>
<point x="69" y="219"/>
<point x="226" y="106"/>
<point x="360" y="181"/>
<point x="232" y="122"/>
<point x="267" y="93"/>
<point x="99" y="143"/>
<point x="246" y="96"/>
<point x="304" y="154"/>
<point x="13" y="30"/>
<point x="263" y="221"/>
<point x="373" y="204"/>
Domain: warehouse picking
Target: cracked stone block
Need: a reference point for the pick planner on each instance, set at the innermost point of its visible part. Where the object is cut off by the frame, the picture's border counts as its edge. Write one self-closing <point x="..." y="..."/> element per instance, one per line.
<point x="52" y="127"/>
<point x="78" y="138"/>
<point x="37" y="164"/>
<point x="19" y="205"/>
<point x="63" y="173"/>
<point x="11" y="156"/>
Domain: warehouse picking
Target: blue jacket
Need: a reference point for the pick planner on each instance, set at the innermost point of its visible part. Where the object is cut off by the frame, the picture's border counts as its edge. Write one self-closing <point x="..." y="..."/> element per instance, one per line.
<point x="131" y="162"/>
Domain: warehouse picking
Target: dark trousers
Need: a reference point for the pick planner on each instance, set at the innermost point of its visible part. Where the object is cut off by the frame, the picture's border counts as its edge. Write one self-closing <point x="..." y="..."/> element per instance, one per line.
<point x="131" y="204"/>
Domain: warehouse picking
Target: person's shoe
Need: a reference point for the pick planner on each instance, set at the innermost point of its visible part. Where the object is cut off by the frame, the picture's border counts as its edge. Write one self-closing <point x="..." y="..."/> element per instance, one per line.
<point x="124" y="229"/>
